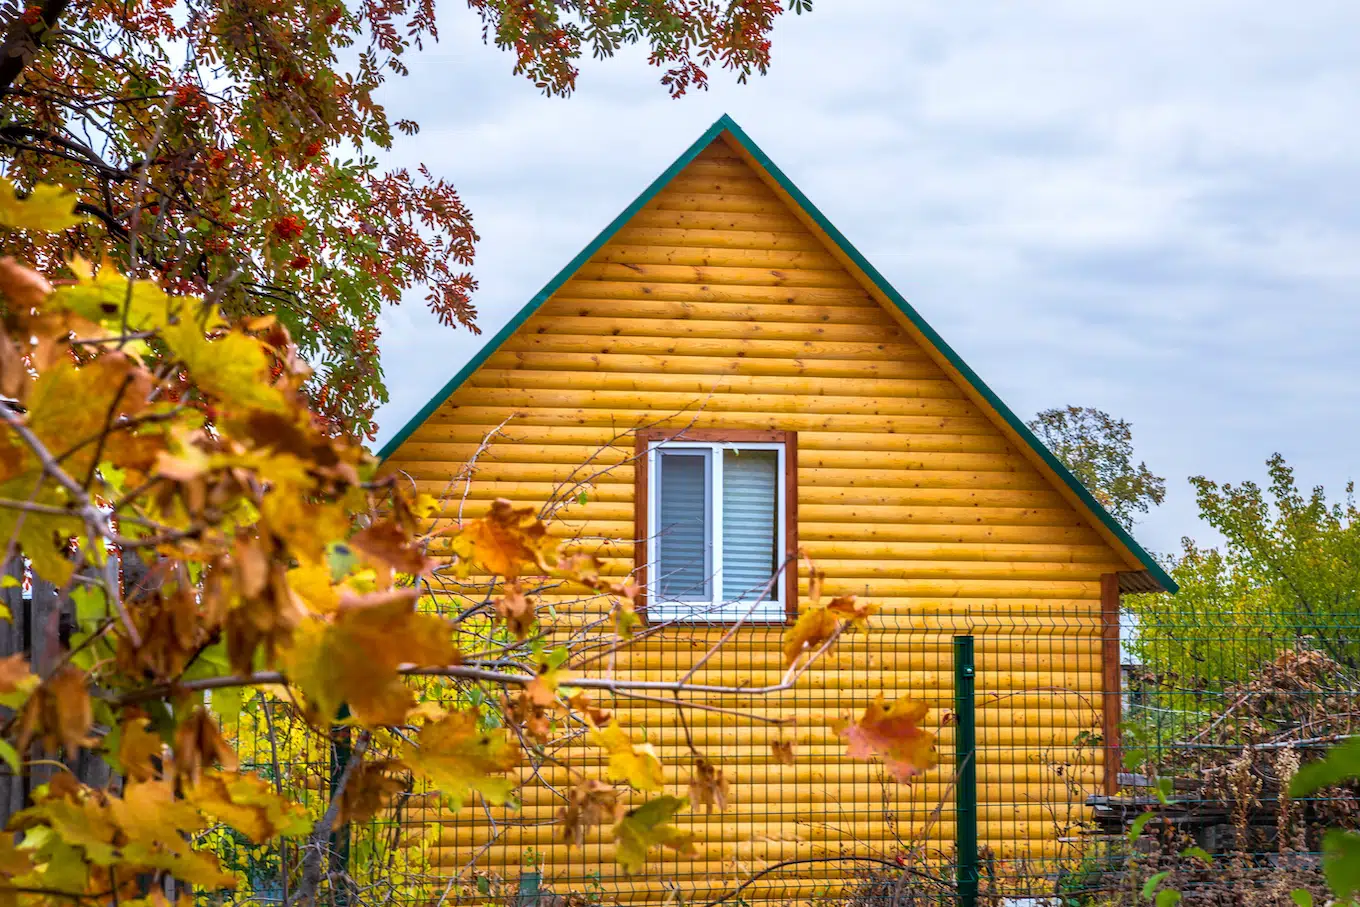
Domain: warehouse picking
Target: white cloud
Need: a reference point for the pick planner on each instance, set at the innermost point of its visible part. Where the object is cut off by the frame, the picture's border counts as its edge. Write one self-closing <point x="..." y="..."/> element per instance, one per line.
<point x="1148" y="208"/>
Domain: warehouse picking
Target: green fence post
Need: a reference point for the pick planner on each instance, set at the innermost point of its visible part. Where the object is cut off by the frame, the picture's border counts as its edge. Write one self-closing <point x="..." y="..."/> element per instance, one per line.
<point x="965" y="763"/>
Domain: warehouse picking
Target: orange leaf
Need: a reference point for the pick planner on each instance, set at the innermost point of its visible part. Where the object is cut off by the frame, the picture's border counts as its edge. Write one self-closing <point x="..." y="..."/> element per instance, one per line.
<point x="386" y="543"/>
<point x="893" y="733"/>
<point x="707" y="786"/>
<point x="515" y="610"/>
<point x="589" y="804"/>
<point x="782" y="750"/>
<point x="369" y="790"/>
<point x="199" y="744"/>
<point x="504" y="542"/>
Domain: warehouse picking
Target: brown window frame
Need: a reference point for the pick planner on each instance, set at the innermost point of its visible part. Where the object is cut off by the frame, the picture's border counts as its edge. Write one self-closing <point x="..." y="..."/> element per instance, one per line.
<point x="643" y="441"/>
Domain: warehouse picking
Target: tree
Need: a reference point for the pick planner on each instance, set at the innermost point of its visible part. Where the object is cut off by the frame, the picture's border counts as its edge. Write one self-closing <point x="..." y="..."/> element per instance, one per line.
<point x="1098" y="448"/>
<point x="1288" y="574"/>
<point x="283" y="569"/>
<point x="228" y="145"/>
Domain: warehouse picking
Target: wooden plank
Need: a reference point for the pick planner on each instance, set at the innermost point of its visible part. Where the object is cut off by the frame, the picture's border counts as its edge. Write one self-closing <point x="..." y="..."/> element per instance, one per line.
<point x="1112" y="680"/>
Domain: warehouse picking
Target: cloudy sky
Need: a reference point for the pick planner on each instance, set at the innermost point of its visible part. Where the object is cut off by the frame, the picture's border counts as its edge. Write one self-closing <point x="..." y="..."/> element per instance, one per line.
<point x="1151" y="208"/>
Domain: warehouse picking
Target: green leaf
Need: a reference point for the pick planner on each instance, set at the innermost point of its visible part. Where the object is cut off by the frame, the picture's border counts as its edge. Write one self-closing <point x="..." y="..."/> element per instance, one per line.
<point x="483" y="885"/>
<point x="90" y="606"/>
<point x="1341" y="862"/>
<point x="1302" y="896"/>
<point x="1136" y="829"/>
<point x="1341" y="763"/>
<point x="1199" y="853"/>
<point x="1163" y="791"/>
<point x="341" y="559"/>
<point x="582" y="498"/>
<point x="1168" y="897"/>
<point x="1151" y="884"/>
<point x="11" y="757"/>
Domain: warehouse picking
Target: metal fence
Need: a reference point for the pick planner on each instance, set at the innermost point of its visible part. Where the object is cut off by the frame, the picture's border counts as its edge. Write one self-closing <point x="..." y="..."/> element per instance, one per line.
<point x="1218" y="711"/>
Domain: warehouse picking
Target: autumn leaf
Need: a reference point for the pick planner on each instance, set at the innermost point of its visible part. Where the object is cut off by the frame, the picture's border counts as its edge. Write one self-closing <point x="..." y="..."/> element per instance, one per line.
<point x="504" y="542"/>
<point x="893" y="733"/>
<point x="46" y="209"/>
<point x="234" y="367"/>
<point x="353" y="656"/>
<point x="590" y="803"/>
<point x="106" y="296"/>
<point x="16" y="680"/>
<point x="370" y="788"/>
<point x="635" y="765"/>
<point x="707" y="786"/>
<point x="199" y="744"/>
<point x="647" y="826"/>
<point x="459" y="758"/>
<point x="60" y="712"/>
<point x="812" y="629"/>
<point x="248" y="804"/>
<point x="387" y="543"/>
<point x="582" y="703"/>
<point x="515" y="610"/>
<point x="22" y="287"/>
<point x="782" y="751"/>
<point x="845" y="607"/>
<point x="139" y="750"/>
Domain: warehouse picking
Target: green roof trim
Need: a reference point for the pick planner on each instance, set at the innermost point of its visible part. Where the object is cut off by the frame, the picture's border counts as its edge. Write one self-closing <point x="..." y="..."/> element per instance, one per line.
<point x="728" y="125"/>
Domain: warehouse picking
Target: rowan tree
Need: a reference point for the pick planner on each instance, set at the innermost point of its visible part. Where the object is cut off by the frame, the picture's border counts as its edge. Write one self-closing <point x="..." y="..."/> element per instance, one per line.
<point x="285" y="572"/>
<point x="231" y="145"/>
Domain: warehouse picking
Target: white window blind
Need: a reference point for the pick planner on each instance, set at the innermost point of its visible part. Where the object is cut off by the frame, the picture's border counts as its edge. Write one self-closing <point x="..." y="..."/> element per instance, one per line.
<point x="716" y="531"/>
<point x="750" y="511"/>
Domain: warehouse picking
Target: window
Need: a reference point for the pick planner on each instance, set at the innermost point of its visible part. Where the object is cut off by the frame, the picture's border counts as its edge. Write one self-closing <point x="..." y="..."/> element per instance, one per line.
<point x="718" y="525"/>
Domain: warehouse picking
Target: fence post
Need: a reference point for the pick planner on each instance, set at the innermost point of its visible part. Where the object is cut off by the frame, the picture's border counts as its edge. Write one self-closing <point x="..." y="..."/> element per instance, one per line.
<point x="965" y="780"/>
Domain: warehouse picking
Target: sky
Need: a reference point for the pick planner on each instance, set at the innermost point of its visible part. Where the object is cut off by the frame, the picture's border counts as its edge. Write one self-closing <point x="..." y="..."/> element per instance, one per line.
<point x="1149" y="208"/>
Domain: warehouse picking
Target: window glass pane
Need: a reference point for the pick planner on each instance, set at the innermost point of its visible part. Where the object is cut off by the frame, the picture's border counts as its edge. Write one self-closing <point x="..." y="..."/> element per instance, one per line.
<point x="683" y="538"/>
<point x="750" y="532"/>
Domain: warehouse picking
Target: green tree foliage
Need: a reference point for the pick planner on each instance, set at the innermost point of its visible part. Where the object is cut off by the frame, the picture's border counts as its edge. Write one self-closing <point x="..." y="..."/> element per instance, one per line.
<point x="1287" y="575"/>
<point x="230" y="145"/>
<point x="1098" y="448"/>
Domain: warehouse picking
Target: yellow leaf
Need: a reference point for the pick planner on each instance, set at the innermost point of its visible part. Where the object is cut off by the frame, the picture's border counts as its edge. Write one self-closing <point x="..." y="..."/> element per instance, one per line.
<point x="104" y="296"/>
<point x="139" y="749"/>
<point x="636" y="765"/>
<point x="504" y="542"/>
<point x="248" y="804"/>
<point x="893" y="733"/>
<point x="646" y="827"/>
<point x="458" y="758"/>
<point x="47" y="209"/>
<point x="234" y="367"/>
<point x="353" y="657"/>
<point x="812" y="629"/>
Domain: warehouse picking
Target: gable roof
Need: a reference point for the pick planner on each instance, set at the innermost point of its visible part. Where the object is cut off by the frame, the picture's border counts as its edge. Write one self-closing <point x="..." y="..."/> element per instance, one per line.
<point x="1151" y="578"/>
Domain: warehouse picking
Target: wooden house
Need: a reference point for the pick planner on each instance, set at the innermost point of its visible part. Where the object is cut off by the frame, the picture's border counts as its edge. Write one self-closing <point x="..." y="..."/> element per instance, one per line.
<point x="741" y="384"/>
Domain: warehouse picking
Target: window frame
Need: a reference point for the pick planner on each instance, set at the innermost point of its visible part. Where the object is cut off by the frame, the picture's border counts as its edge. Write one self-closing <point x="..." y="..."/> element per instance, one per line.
<point x="647" y="445"/>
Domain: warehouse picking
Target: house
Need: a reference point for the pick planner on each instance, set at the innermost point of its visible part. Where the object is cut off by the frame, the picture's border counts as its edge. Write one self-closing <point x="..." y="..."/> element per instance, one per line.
<point x="741" y="385"/>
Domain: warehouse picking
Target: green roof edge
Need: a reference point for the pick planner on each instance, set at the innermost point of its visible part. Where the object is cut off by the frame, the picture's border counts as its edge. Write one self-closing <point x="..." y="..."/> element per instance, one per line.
<point x="562" y="276"/>
<point x="726" y="124"/>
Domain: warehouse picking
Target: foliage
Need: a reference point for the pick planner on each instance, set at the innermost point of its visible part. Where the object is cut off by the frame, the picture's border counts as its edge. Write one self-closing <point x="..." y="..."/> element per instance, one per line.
<point x="1098" y="448"/>
<point x="231" y="145"/>
<point x="1288" y="574"/>
<point x="286" y="579"/>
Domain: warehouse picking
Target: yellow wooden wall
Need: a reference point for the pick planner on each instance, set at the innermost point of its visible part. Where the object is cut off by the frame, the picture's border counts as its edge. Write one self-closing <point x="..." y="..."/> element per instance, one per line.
<point x="716" y="307"/>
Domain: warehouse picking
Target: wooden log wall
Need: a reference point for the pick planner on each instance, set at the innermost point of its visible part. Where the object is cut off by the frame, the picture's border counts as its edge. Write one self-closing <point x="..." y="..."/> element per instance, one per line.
<point x="716" y="307"/>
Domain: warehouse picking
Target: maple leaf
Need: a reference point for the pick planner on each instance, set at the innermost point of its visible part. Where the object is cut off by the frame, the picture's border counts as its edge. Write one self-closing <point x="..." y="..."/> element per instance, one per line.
<point x="16" y="680"/>
<point x="458" y="758"/>
<point x="370" y="788"/>
<point x="106" y="296"/>
<point x="198" y="744"/>
<point x="707" y="786"/>
<point x="590" y="803"/>
<point x="846" y="608"/>
<point x="46" y="209"/>
<point x="248" y="804"/>
<point x="647" y="826"/>
<point x="234" y="367"/>
<point x="893" y="733"/>
<point x="782" y="750"/>
<point x="139" y="750"/>
<point x="60" y="710"/>
<point x="515" y="610"/>
<point x="503" y="542"/>
<point x="812" y="629"/>
<point x="353" y="657"/>
<point x="635" y="765"/>
<point x="581" y="702"/>
<point x="388" y="543"/>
